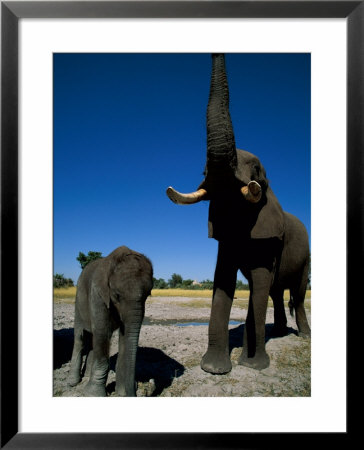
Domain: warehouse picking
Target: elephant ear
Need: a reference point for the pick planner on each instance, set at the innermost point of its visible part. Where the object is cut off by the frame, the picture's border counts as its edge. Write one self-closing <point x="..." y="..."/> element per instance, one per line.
<point x="100" y="283"/>
<point x="270" y="219"/>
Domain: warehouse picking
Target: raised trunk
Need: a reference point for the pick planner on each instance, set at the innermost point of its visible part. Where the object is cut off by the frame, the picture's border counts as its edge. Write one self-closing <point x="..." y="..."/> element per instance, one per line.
<point x="221" y="150"/>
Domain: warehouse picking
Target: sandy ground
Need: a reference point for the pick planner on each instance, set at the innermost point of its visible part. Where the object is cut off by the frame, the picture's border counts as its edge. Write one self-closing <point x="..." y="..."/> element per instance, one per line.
<point x="170" y="351"/>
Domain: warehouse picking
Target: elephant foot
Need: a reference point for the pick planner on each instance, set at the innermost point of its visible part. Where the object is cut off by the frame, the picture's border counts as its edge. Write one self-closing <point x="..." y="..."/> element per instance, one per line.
<point x="124" y="393"/>
<point x="126" y="389"/>
<point x="73" y="379"/>
<point x="259" y="361"/>
<point x="94" y="390"/>
<point x="216" y="362"/>
<point x="279" y="330"/>
<point x="306" y="334"/>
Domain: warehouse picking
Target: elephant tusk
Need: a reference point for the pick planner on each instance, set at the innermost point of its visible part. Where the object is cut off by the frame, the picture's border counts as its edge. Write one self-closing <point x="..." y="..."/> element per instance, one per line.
<point x="252" y="192"/>
<point x="185" y="199"/>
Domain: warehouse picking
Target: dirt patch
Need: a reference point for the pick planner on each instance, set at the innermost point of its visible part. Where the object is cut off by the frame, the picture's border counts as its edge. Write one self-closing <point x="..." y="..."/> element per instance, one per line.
<point x="172" y="341"/>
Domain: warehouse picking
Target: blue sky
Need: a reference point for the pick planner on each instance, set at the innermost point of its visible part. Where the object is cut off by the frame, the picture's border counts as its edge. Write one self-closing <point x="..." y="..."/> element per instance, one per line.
<point x="127" y="126"/>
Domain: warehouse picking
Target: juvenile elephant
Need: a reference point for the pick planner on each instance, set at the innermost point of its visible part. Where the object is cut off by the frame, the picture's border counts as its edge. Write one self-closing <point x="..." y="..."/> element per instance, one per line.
<point x="269" y="246"/>
<point x="111" y="294"/>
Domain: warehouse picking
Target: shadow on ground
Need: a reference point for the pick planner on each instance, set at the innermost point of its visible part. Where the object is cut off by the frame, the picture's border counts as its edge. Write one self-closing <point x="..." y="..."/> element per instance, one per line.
<point x="62" y="346"/>
<point x="152" y="363"/>
<point x="236" y="335"/>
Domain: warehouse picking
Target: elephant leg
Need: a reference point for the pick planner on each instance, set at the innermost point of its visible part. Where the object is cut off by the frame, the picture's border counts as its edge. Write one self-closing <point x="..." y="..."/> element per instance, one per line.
<point x="128" y="346"/>
<point x="254" y="354"/>
<point x="89" y="360"/>
<point x="100" y="364"/>
<point x="298" y="297"/>
<point x="217" y="359"/>
<point x="74" y="376"/>
<point x="87" y="342"/>
<point x="280" y="318"/>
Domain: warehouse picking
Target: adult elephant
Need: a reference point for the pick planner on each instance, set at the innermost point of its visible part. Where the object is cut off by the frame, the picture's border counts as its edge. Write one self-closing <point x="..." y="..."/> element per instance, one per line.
<point x="111" y="294"/>
<point x="269" y="246"/>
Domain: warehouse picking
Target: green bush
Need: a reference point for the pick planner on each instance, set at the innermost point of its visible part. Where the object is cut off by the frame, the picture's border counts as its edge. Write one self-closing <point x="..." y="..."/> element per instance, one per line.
<point x="159" y="284"/>
<point x="175" y="282"/>
<point x="240" y="286"/>
<point x="60" y="281"/>
<point x="85" y="259"/>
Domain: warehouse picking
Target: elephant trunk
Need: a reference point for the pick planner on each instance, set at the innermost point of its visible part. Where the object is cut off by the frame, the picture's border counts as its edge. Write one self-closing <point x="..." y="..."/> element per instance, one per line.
<point x="221" y="159"/>
<point x="128" y="347"/>
<point x="132" y="348"/>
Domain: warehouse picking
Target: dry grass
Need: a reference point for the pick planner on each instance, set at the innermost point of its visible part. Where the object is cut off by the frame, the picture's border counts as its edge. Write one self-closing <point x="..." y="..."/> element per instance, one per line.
<point x="295" y="360"/>
<point x="182" y="293"/>
<point x="191" y="293"/>
<point x="201" y="298"/>
<point x="298" y="356"/>
<point x="206" y="302"/>
<point x="65" y="295"/>
<point x="205" y="293"/>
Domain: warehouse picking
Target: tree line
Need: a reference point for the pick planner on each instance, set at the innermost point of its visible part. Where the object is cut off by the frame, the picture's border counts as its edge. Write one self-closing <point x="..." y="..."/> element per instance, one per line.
<point x="175" y="282"/>
<point x="59" y="281"/>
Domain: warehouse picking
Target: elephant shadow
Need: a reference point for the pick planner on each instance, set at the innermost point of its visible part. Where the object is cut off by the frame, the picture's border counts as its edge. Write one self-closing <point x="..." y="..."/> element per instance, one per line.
<point x="152" y="363"/>
<point x="236" y="335"/>
<point x="62" y="346"/>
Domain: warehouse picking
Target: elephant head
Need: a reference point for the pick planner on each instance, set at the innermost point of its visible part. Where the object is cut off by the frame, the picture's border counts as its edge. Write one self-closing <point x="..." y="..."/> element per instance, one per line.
<point x="235" y="181"/>
<point x="123" y="276"/>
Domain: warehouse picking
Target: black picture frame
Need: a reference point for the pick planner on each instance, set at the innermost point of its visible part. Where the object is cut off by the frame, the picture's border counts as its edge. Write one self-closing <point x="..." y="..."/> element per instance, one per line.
<point x="11" y="12"/>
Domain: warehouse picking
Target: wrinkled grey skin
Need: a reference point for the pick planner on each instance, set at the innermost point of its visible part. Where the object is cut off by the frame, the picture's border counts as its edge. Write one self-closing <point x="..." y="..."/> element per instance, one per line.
<point x="111" y="294"/>
<point x="270" y="247"/>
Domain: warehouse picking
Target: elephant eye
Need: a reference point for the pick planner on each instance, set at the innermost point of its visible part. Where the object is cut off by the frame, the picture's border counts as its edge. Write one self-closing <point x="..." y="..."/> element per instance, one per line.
<point x="257" y="169"/>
